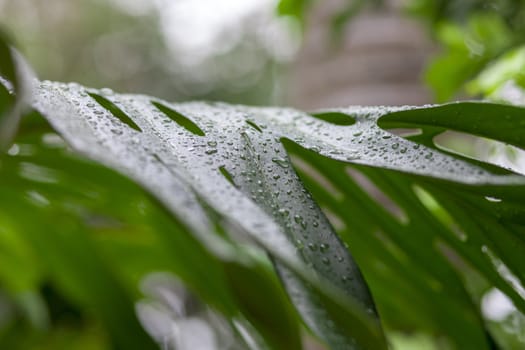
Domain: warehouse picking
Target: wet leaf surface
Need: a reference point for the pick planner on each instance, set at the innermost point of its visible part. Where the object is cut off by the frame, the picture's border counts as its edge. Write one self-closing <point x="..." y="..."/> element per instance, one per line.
<point x="317" y="193"/>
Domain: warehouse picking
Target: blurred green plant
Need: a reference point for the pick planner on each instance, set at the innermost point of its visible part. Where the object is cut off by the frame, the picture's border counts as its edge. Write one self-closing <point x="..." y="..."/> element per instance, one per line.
<point x="473" y="34"/>
<point x="480" y="40"/>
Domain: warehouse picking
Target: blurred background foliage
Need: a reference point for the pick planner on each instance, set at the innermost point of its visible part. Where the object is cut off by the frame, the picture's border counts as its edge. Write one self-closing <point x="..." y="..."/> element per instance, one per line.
<point x="475" y="35"/>
<point x="230" y="50"/>
<point x="244" y="51"/>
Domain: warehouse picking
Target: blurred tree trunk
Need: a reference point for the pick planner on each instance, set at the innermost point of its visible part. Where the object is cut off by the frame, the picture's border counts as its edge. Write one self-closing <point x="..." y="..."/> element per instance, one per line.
<point x="379" y="60"/>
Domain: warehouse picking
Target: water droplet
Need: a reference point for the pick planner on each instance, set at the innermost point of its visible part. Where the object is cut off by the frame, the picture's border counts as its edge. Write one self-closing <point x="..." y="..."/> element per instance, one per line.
<point x="283" y="163"/>
<point x="299" y="220"/>
<point x="284" y="212"/>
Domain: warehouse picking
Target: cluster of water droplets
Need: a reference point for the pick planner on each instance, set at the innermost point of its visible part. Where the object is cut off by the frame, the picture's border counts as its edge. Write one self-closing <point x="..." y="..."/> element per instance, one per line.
<point x="366" y="143"/>
<point x="230" y="157"/>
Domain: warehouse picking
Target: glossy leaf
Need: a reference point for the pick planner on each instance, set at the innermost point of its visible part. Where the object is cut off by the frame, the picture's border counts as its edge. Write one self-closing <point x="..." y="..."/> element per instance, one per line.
<point x="261" y="202"/>
<point x="238" y="168"/>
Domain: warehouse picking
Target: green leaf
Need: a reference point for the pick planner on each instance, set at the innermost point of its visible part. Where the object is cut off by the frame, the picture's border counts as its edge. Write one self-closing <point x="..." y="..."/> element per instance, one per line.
<point x="294" y="8"/>
<point x="262" y="203"/>
<point x="7" y="62"/>
<point x="15" y="78"/>
<point x="260" y="298"/>
<point x="130" y="230"/>
<point x="238" y="168"/>
<point x="469" y="46"/>
<point x="508" y="67"/>
<point x="404" y="206"/>
<point x="79" y="270"/>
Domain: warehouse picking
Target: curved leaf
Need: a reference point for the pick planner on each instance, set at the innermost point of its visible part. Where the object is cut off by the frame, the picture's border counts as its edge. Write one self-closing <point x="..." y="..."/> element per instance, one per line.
<point x="182" y="169"/>
<point x="204" y="160"/>
<point x="15" y="76"/>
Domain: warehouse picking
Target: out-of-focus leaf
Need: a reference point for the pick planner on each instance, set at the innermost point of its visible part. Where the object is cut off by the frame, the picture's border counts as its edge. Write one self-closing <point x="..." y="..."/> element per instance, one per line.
<point x="294" y="8"/>
<point x="472" y="34"/>
<point x="10" y="111"/>
<point x="259" y="297"/>
<point x="509" y="67"/>
<point x="77" y="268"/>
<point x="7" y="62"/>
<point x="467" y="49"/>
<point x="15" y="83"/>
<point x="448" y="72"/>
